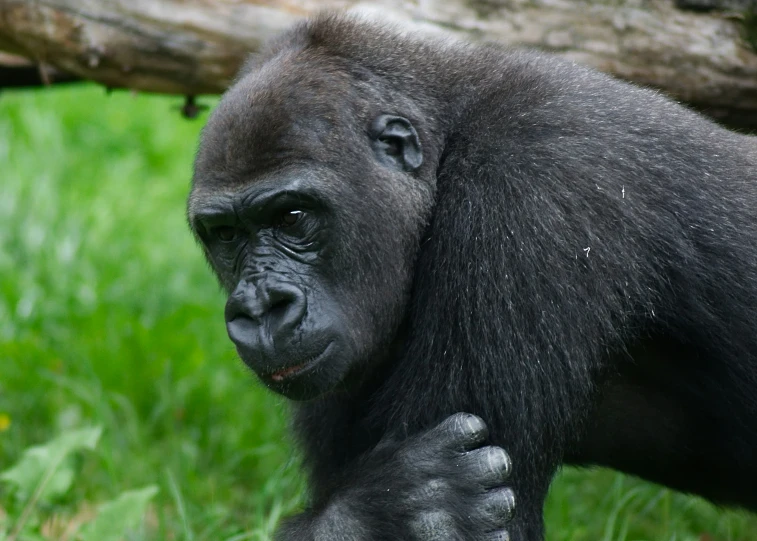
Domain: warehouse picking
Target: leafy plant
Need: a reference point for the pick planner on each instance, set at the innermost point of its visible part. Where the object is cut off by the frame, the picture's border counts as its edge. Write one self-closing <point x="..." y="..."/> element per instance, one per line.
<point x="44" y="474"/>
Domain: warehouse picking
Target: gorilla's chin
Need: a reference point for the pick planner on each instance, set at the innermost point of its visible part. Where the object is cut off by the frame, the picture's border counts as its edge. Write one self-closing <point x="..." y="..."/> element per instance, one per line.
<point x="311" y="378"/>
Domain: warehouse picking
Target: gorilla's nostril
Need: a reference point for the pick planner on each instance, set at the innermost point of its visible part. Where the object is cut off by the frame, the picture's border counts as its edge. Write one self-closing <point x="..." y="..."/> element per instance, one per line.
<point x="287" y="310"/>
<point x="279" y="308"/>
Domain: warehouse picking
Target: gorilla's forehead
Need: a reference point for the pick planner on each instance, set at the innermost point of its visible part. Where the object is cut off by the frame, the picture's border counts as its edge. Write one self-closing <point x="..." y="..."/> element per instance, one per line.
<point x="275" y="115"/>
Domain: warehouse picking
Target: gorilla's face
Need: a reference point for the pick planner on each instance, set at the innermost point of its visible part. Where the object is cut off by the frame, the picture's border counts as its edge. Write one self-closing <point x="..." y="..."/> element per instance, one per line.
<point x="311" y="218"/>
<point x="270" y="245"/>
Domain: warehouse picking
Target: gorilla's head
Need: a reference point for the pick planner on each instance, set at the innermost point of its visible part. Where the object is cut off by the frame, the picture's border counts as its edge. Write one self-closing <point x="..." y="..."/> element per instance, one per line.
<point x="313" y="185"/>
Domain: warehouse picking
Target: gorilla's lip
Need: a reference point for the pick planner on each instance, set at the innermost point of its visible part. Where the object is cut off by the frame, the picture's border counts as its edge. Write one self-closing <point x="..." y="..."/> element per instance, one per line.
<point x="297" y="369"/>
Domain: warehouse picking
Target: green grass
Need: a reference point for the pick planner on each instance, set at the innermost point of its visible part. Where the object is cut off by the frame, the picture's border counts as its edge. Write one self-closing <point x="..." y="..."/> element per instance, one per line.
<point x="109" y="316"/>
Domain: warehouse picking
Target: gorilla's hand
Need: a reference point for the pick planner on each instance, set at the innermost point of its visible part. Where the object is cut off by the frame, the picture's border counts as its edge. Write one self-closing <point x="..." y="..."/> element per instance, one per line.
<point x="441" y="485"/>
<point x="459" y="492"/>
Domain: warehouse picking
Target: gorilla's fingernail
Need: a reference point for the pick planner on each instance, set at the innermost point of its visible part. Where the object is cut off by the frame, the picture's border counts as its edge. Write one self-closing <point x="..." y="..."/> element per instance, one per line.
<point x="475" y="423"/>
<point x="499" y="460"/>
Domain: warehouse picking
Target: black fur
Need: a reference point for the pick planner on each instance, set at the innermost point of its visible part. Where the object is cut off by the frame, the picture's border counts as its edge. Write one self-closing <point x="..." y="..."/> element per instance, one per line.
<point x="574" y="260"/>
<point x="708" y="5"/>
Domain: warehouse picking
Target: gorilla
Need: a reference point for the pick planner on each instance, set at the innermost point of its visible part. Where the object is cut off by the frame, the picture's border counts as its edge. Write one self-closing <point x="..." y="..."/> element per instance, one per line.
<point x="454" y="256"/>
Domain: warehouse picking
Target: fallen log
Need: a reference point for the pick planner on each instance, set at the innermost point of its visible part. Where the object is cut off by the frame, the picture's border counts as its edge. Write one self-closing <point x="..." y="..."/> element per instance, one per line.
<point x="194" y="47"/>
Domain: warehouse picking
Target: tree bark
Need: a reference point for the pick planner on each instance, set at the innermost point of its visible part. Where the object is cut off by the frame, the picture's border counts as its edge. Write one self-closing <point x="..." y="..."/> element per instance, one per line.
<point x="195" y="46"/>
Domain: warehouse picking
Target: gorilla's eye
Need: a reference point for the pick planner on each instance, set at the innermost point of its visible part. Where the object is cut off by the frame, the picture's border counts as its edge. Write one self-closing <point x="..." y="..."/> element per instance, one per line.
<point x="224" y="233"/>
<point x="289" y="217"/>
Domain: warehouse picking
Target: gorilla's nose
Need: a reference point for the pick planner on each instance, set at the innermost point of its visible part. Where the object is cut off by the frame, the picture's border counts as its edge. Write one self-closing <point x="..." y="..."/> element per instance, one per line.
<point x="264" y="314"/>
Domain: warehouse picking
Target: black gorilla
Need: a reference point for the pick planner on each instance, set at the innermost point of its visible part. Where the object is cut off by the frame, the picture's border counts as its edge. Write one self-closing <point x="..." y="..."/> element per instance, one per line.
<point x="410" y="228"/>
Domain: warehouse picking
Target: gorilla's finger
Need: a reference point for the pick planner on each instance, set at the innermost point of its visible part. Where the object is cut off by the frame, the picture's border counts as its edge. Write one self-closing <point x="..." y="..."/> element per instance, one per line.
<point x="490" y="465"/>
<point x="497" y="507"/>
<point x="460" y="432"/>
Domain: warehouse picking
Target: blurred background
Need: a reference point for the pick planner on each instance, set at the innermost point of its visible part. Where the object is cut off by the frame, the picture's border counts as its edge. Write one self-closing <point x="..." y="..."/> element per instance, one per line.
<point x="124" y="412"/>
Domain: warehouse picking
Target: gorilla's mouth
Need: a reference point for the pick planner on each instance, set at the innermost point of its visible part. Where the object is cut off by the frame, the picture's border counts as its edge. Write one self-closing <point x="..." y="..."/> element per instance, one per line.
<point x="291" y="371"/>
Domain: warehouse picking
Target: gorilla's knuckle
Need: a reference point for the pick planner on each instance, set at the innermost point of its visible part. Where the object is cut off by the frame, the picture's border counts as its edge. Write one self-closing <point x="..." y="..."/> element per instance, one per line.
<point x="432" y="525"/>
<point x="433" y="489"/>
<point x="415" y="457"/>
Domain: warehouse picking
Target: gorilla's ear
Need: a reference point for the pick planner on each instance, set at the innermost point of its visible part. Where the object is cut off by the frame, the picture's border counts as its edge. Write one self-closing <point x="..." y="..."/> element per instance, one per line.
<point x="396" y="143"/>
